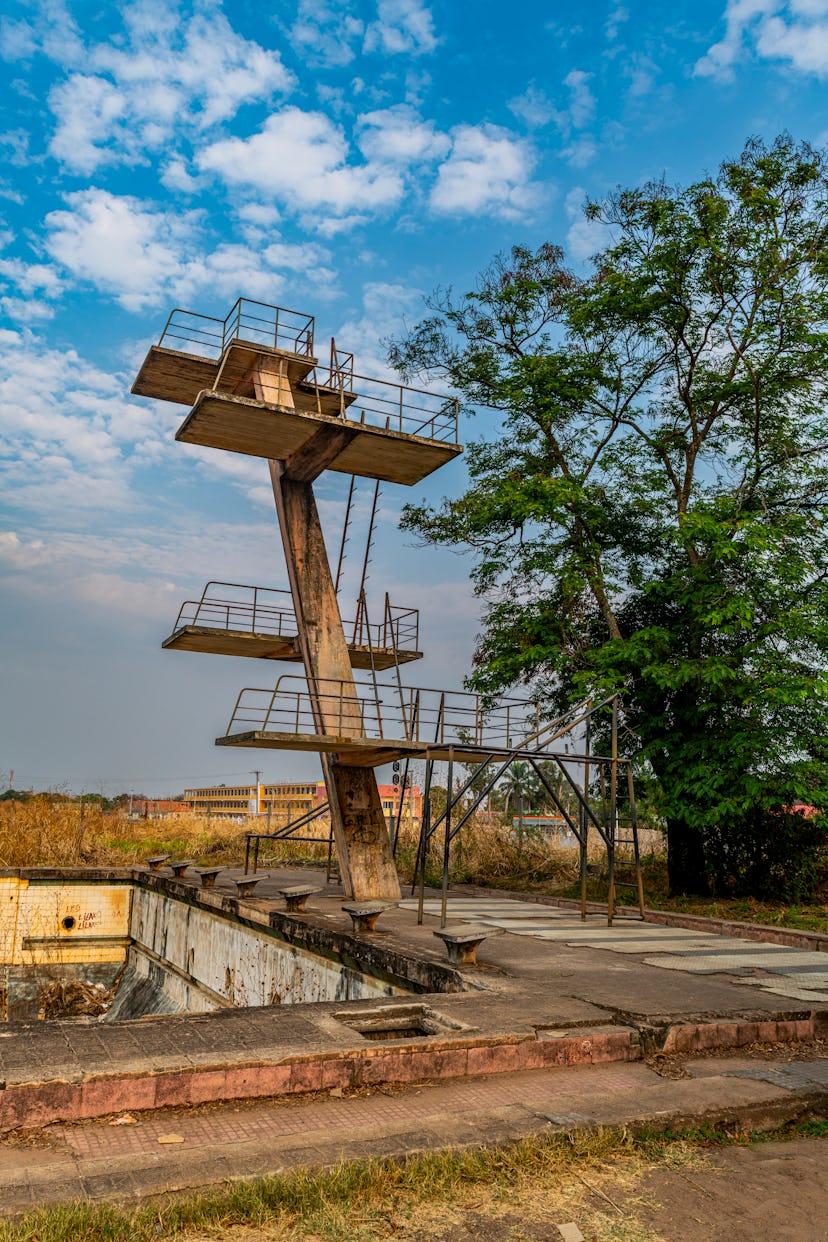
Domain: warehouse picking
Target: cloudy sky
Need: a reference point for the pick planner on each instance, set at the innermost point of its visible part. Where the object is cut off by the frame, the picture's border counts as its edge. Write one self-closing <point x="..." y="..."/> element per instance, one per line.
<point x="343" y="158"/>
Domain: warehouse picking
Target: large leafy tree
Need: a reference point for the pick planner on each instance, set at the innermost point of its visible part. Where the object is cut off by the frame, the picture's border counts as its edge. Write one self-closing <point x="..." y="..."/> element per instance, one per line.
<point x="651" y="515"/>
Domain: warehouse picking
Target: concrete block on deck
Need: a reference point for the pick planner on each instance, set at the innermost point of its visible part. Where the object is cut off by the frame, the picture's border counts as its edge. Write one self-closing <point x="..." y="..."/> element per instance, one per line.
<point x="247" y="884"/>
<point x="296" y="895"/>
<point x="157" y="862"/>
<point x="364" y="914"/>
<point x="463" y="941"/>
<point x="208" y="875"/>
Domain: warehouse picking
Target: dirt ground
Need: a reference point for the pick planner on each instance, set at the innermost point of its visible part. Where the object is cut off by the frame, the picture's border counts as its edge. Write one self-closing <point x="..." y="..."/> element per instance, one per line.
<point x="768" y="1192"/>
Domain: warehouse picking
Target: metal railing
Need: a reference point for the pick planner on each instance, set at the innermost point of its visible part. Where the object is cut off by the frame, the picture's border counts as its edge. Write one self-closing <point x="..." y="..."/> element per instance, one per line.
<point x="254" y="610"/>
<point x="385" y="712"/>
<point x="399" y="407"/>
<point x="269" y="610"/>
<point x="339" y="392"/>
<point x="256" y="323"/>
<point x="358" y="398"/>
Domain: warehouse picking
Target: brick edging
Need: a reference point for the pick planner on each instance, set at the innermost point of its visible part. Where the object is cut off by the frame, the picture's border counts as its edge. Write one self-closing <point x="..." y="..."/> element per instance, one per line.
<point x="34" y="1104"/>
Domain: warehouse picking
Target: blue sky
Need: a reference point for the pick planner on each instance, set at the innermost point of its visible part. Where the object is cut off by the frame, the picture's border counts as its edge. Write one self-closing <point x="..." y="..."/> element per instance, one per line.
<point x="339" y="158"/>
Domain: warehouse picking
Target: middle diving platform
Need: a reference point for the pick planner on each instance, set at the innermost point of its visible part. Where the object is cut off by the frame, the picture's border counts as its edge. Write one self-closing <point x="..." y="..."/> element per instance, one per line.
<point x="260" y="622"/>
<point x="255" y="387"/>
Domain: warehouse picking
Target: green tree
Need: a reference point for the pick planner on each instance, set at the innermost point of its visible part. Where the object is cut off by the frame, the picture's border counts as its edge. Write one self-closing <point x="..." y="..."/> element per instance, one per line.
<point x="651" y="518"/>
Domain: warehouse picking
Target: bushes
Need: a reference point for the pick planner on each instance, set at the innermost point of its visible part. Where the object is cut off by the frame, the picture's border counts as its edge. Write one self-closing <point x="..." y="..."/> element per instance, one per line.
<point x="771" y="855"/>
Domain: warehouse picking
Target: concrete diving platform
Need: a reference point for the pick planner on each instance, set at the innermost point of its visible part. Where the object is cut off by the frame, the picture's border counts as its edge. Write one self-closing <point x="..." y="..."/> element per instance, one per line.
<point x="372" y="723"/>
<point x="260" y="623"/>
<point x="360" y="752"/>
<point x="256" y="388"/>
<point x="261" y="429"/>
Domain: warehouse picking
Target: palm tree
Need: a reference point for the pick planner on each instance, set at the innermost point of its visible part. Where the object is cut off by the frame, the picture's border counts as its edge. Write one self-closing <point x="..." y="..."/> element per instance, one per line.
<point x="517" y="783"/>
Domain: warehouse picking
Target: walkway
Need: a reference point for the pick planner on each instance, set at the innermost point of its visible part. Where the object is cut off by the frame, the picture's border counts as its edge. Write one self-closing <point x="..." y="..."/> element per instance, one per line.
<point x="174" y="1149"/>
<point x="798" y="974"/>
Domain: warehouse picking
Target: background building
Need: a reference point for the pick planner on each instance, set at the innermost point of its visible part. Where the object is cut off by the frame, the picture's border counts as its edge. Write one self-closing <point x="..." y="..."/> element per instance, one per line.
<point x="288" y="800"/>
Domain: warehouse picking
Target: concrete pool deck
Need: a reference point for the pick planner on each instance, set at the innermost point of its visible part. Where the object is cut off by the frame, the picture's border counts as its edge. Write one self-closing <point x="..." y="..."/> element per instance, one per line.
<point x="550" y="992"/>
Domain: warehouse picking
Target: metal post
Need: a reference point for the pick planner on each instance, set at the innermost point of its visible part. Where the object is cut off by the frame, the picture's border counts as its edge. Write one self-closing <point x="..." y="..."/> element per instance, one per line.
<point x="398" y="825"/>
<point x="330" y="854"/>
<point x="585" y="820"/>
<point x="447" y="836"/>
<point x="422" y="850"/>
<point x="634" y="827"/>
<point x="613" y="808"/>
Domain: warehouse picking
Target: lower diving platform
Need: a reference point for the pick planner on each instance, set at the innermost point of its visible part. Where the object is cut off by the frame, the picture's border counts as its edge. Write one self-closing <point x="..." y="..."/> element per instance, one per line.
<point x="371" y="723"/>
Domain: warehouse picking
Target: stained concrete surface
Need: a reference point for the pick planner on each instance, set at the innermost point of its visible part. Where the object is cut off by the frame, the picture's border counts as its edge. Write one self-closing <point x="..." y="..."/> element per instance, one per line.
<point x="96" y="1160"/>
<point x="550" y="971"/>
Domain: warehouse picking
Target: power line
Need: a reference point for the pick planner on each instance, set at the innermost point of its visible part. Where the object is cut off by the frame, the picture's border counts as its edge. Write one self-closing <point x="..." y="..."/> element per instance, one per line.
<point x="137" y="780"/>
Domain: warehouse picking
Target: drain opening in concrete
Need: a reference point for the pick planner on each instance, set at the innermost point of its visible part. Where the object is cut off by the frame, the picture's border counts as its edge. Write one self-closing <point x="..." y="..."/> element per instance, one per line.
<point x="398" y="1022"/>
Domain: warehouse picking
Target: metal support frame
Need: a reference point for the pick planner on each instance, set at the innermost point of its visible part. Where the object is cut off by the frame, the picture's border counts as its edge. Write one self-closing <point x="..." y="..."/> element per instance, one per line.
<point x="287" y="833"/>
<point x="606" y="824"/>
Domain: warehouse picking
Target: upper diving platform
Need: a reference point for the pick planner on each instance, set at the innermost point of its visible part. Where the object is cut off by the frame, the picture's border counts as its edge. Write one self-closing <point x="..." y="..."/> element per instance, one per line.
<point x="260" y="622"/>
<point x="256" y="387"/>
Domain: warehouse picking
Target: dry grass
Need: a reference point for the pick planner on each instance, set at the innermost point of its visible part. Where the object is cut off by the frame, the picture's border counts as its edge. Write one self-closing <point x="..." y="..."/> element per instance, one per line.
<point x="49" y="833"/>
<point x="591" y="1176"/>
<point x="491" y="854"/>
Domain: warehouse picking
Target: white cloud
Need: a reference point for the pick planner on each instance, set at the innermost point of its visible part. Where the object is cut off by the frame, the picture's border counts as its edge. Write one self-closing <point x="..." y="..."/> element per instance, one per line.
<point x="72" y="441"/>
<point x="385" y="306"/>
<point x="168" y="77"/>
<point x="328" y="34"/>
<point x="145" y="256"/>
<point x="401" y="26"/>
<point x="301" y="159"/>
<point x="31" y="278"/>
<point x="70" y="434"/>
<point x="576" y="114"/>
<point x="399" y="135"/>
<point x="176" y="176"/>
<point x="488" y="171"/>
<point x="616" y="19"/>
<point x="580" y="152"/>
<point x="53" y="31"/>
<point x="534" y="107"/>
<point x="26" y="310"/>
<point x="796" y="33"/>
<point x="118" y="245"/>
<point x="585" y="237"/>
<point x="803" y="44"/>
<point x="582" y="101"/>
<point x="88" y="111"/>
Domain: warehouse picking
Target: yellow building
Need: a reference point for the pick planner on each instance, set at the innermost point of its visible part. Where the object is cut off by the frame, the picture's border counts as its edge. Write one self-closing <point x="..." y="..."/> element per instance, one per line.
<point x="287" y="800"/>
<point x="284" y="800"/>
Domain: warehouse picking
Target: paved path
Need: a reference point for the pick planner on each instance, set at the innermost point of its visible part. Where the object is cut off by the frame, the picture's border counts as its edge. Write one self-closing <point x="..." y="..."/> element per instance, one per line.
<point x="231" y="1141"/>
<point x="798" y="974"/>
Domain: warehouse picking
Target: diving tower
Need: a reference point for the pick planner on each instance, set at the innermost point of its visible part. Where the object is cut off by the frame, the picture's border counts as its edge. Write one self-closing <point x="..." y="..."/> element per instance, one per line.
<point x="255" y="386"/>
